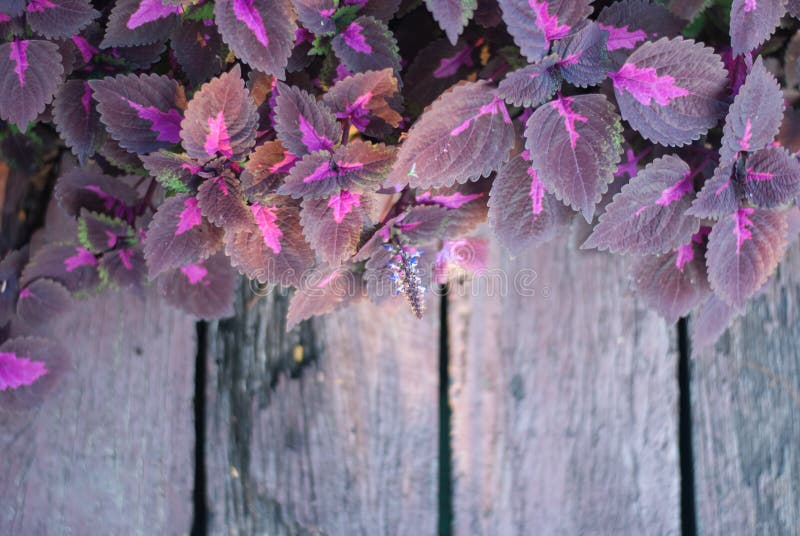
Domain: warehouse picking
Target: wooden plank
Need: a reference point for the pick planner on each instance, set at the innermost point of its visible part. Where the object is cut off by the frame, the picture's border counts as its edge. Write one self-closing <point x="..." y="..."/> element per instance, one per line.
<point x="111" y="450"/>
<point x="564" y="399"/>
<point x="746" y="415"/>
<point x="342" y="443"/>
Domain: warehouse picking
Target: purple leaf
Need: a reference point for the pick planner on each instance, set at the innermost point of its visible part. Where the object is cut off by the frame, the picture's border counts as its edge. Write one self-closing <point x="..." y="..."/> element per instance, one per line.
<point x="303" y="124"/>
<point x="359" y="167"/>
<point x="368" y="100"/>
<point x="143" y="113"/>
<point x="12" y="8"/>
<point x="259" y="32"/>
<point x="222" y="202"/>
<point x="140" y="22"/>
<point x="30" y="73"/>
<point x="30" y="368"/>
<point x="532" y="85"/>
<point x="720" y="194"/>
<point x="671" y="91"/>
<point x="74" y="267"/>
<point x="59" y="18"/>
<point x="687" y="9"/>
<point x="197" y="47"/>
<point x="753" y="21"/>
<point x="534" y="24"/>
<point x="88" y="188"/>
<point x="316" y="15"/>
<point x="521" y="212"/>
<point x="221" y="119"/>
<point x="465" y="135"/>
<point x="10" y="270"/>
<point x="124" y="267"/>
<point x="77" y="119"/>
<point x="452" y="15"/>
<point x="367" y="44"/>
<point x="648" y="216"/>
<point x="42" y="301"/>
<point x="317" y="296"/>
<point x="711" y="320"/>
<point x="744" y="248"/>
<point x="575" y="144"/>
<point x="671" y="284"/>
<point x="204" y="289"/>
<point x="179" y="235"/>
<point x="771" y="177"/>
<point x="99" y="233"/>
<point x="174" y="171"/>
<point x="265" y="169"/>
<point x="755" y="116"/>
<point x="272" y="250"/>
<point x="632" y="22"/>
<point x="333" y="225"/>
<point x="584" y="58"/>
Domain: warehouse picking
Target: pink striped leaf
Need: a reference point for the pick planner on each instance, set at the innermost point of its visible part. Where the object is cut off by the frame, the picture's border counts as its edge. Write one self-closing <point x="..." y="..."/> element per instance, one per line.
<point x="30" y="73"/>
<point x="303" y="123"/>
<point x="204" y="289"/>
<point x="367" y="44"/>
<point x="535" y="24"/>
<point x="30" y="368"/>
<point x="140" y="22"/>
<point x="753" y="21"/>
<point x="59" y="18"/>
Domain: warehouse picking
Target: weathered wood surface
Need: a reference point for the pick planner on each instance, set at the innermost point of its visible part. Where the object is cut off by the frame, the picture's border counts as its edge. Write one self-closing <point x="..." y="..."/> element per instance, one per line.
<point x="110" y="451"/>
<point x="343" y="442"/>
<point x="564" y="401"/>
<point x="746" y="417"/>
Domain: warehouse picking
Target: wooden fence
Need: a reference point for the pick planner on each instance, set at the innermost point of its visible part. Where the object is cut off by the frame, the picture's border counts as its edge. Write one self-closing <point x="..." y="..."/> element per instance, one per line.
<point x="565" y="414"/>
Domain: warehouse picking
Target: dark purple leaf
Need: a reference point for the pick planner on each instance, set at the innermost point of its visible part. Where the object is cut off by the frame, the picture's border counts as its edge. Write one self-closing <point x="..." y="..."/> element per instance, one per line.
<point x="141" y="56"/>
<point x="204" y="289"/>
<point x="648" y="216"/>
<point x="333" y="225"/>
<point x="368" y="100"/>
<point x="632" y="22"/>
<point x="452" y="15"/>
<point x="584" y="60"/>
<point x="671" y="91"/>
<point x="88" y="188"/>
<point x="30" y="73"/>
<point x="532" y="85"/>
<point x="178" y="235"/>
<point x="222" y="202"/>
<point x="359" y="167"/>
<point x="143" y="113"/>
<point x="720" y="194"/>
<point x="124" y="267"/>
<point x="744" y="248"/>
<point x="672" y="284"/>
<point x="521" y="212"/>
<point x="755" y="116"/>
<point x="75" y="267"/>
<point x="77" y="119"/>
<point x="771" y="177"/>
<point x="688" y="9"/>
<point x="30" y="368"/>
<point x="265" y="169"/>
<point x="367" y="44"/>
<point x="575" y="145"/>
<point x="321" y="295"/>
<point x="99" y="233"/>
<point x="273" y="249"/>
<point x="316" y="15"/>
<point x="197" y="46"/>
<point x="259" y="32"/>
<point x="221" y="119"/>
<point x="535" y="24"/>
<point x="303" y="124"/>
<point x="42" y="301"/>
<point x="10" y="270"/>
<point x="12" y="7"/>
<point x="753" y="21"/>
<point x="140" y="22"/>
<point x="466" y="134"/>
<point x="711" y="321"/>
<point x="59" y="18"/>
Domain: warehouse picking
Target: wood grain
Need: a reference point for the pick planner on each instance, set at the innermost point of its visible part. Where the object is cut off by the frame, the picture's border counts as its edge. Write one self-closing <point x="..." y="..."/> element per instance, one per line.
<point x="746" y="414"/>
<point x="564" y="398"/>
<point x="343" y="442"/>
<point x="111" y="450"/>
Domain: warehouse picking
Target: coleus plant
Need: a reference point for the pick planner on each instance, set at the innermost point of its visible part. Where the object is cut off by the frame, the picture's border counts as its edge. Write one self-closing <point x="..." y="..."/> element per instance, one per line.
<point x="350" y="149"/>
